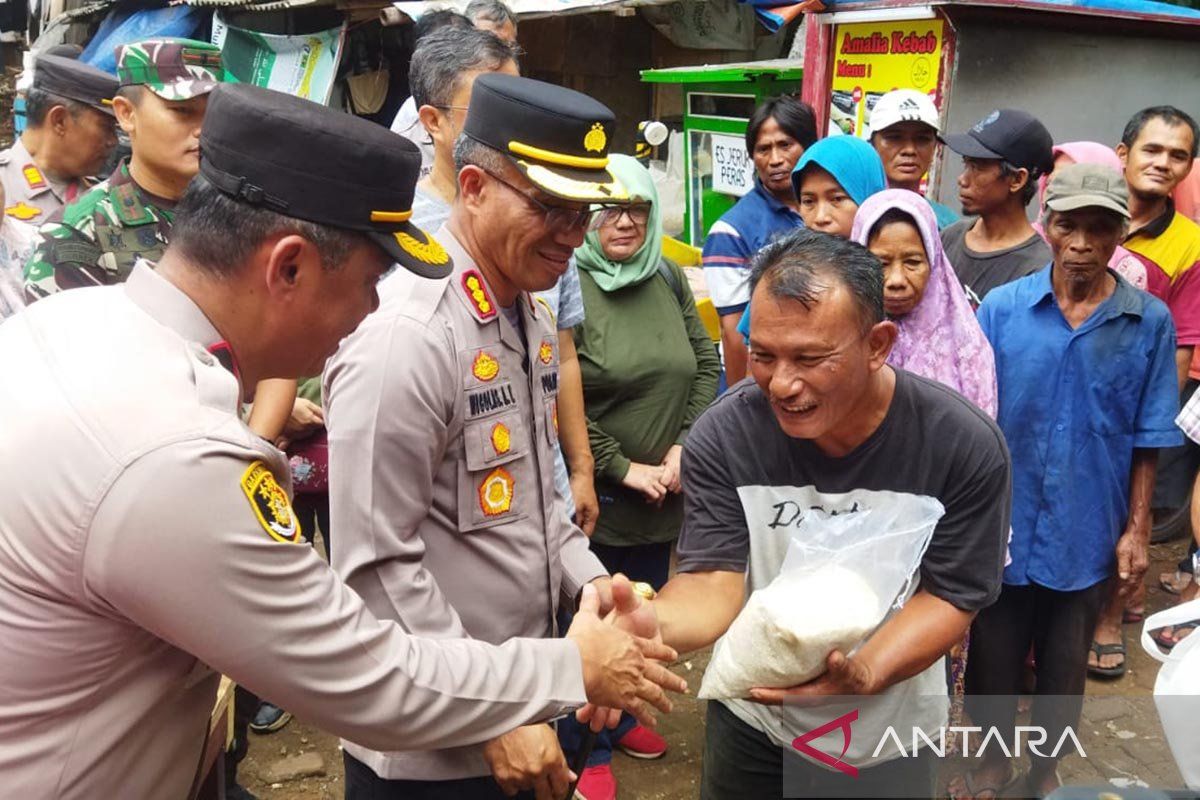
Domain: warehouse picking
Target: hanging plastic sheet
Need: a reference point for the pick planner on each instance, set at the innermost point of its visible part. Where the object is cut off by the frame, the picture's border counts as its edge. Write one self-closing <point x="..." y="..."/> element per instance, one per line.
<point x="124" y="25"/>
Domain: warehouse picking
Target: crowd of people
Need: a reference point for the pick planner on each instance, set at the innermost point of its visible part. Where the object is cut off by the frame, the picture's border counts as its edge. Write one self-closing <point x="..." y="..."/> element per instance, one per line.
<point x="468" y="356"/>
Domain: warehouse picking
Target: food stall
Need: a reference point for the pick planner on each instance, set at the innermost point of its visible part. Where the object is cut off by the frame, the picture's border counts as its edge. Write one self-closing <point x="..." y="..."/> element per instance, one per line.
<point x="718" y="100"/>
<point x="1081" y="66"/>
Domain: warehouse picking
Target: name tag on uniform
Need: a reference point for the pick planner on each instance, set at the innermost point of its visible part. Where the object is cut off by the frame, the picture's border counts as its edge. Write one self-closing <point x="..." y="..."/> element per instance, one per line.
<point x="490" y="399"/>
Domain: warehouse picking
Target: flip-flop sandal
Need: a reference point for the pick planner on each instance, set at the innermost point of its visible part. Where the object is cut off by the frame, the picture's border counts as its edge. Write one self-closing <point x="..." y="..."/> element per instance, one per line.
<point x="1101" y="650"/>
<point x="1167" y="644"/>
<point x="1174" y="583"/>
<point x="988" y="791"/>
<point x="1133" y="617"/>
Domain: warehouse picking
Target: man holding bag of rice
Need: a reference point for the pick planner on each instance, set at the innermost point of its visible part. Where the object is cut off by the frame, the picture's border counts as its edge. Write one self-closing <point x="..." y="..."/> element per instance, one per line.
<point x="827" y="440"/>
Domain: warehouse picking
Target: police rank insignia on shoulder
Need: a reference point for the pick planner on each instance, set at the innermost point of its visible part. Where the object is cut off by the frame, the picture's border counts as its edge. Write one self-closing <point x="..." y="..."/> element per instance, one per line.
<point x="496" y="492"/>
<point x="485" y="367"/>
<point x="472" y="283"/>
<point x="270" y="503"/>
<point x="33" y="176"/>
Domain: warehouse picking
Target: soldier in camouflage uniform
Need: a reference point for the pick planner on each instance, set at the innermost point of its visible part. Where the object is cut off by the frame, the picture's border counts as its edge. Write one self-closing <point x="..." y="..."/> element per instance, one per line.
<point x="97" y="239"/>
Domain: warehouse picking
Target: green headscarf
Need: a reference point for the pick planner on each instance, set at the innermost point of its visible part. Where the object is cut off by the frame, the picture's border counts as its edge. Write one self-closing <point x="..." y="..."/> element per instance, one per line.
<point x="612" y="275"/>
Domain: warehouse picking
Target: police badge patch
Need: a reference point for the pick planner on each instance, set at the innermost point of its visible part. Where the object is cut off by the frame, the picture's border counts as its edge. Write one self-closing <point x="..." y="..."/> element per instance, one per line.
<point x="496" y="492"/>
<point x="270" y="503"/>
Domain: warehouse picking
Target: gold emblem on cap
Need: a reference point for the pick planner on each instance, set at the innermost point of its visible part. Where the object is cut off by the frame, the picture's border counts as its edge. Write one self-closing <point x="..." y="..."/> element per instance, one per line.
<point x="596" y="139"/>
<point x="428" y="251"/>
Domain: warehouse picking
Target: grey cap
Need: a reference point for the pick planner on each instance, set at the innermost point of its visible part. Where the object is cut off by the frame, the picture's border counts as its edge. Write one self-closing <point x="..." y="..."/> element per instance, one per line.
<point x="1088" y="186"/>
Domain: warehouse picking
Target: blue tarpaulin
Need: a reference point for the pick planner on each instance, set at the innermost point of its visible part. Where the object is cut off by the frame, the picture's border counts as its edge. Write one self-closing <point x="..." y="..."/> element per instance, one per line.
<point x="124" y="25"/>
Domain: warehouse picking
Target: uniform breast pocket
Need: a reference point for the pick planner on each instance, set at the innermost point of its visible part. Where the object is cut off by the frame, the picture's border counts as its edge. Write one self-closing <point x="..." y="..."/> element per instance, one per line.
<point x="493" y="483"/>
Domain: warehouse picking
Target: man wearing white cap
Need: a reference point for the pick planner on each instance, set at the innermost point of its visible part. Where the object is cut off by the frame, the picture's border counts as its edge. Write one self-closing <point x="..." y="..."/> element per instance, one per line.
<point x="904" y="131"/>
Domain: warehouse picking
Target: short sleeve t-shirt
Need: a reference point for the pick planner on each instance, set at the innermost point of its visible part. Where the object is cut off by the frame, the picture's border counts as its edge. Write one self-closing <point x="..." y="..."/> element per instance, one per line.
<point x="1169" y="248"/>
<point x="982" y="272"/>
<point x="932" y="443"/>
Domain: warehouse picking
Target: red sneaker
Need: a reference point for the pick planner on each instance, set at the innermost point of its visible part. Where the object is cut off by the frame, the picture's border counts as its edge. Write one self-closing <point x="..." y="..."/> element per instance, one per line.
<point x="597" y="783"/>
<point x="641" y="742"/>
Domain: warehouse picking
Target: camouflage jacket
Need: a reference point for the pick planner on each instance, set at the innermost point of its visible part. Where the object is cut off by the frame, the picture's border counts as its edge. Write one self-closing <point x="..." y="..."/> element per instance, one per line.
<point x="96" y="240"/>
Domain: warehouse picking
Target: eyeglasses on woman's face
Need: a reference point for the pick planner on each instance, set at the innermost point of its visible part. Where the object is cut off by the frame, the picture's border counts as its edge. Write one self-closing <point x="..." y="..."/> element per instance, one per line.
<point x="638" y="215"/>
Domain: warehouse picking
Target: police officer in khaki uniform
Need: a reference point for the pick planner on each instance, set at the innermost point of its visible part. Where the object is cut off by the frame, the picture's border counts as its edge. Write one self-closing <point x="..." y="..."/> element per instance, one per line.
<point x="70" y="135"/>
<point x="147" y="541"/>
<point x="442" y="419"/>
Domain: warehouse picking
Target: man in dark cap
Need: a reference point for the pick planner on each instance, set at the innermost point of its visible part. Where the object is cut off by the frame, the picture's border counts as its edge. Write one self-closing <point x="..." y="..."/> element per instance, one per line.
<point x="1003" y="156"/>
<point x="443" y="421"/>
<point x="70" y="134"/>
<point x="164" y="86"/>
<point x="145" y="528"/>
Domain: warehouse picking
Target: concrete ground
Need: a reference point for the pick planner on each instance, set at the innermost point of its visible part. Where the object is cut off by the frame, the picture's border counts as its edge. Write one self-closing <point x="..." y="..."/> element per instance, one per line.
<point x="1120" y="733"/>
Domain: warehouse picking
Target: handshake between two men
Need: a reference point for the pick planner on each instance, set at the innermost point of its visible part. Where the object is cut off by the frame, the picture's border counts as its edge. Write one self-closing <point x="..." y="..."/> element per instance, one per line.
<point x="624" y="669"/>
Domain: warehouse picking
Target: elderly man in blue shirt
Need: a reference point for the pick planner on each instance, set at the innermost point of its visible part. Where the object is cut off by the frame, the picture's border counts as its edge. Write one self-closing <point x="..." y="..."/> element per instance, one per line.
<point x="1086" y="372"/>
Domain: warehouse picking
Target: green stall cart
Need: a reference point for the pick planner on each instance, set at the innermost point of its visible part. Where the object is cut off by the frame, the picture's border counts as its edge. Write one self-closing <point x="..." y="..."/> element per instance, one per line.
<point x="718" y="100"/>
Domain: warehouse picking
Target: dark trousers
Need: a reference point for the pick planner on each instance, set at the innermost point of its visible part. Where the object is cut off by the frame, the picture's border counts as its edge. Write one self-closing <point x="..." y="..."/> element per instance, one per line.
<point x="363" y="784"/>
<point x="742" y="763"/>
<point x="649" y="563"/>
<point x="312" y="510"/>
<point x="1059" y="626"/>
<point x="245" y="706"/>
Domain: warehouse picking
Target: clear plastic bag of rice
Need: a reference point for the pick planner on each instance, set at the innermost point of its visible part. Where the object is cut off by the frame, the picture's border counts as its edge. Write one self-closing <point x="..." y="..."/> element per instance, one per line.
<point x="778" y="641"/>
<point x="825" y="571"/>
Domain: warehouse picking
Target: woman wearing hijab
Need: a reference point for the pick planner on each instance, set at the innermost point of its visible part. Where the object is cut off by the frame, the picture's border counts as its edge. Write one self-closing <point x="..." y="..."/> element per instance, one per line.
<point x="649" y="369"/>
<point x="831" y="180"/>
<point x="938" y="335"/>
<point x="1123" y="262"/>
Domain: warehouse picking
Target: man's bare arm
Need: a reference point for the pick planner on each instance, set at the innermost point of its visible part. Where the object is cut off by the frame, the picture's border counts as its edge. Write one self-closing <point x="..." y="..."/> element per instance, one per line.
<point x="695" y="608"/>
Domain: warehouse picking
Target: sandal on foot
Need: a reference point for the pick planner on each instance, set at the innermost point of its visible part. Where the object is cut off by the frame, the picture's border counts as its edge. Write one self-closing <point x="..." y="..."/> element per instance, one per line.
<point x="1101" y="650"/>
<point x="1167" y="643"/>
<point x="1174" y="583"/>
